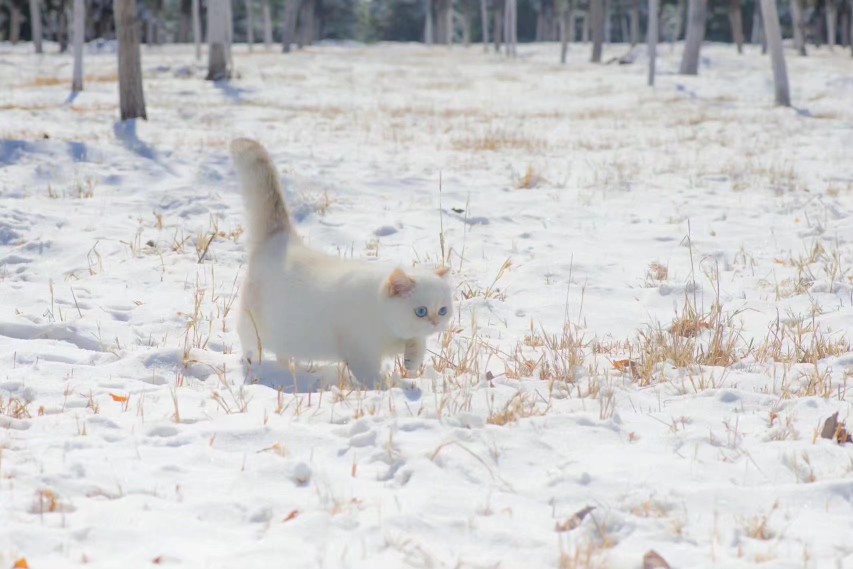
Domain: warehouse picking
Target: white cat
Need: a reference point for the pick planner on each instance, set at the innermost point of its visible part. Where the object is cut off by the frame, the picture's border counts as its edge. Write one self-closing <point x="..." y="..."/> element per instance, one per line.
<point x="302" y="304"/>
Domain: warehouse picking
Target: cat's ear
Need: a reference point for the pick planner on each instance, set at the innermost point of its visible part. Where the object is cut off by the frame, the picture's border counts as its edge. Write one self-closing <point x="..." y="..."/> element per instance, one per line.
<point x="400" y="284"/>
<point x="442" y="271"/>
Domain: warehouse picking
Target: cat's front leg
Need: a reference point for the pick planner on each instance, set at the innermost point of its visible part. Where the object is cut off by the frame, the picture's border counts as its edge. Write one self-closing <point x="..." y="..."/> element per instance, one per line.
<point x="365" y="369"/>
<point x="413" y="356"/>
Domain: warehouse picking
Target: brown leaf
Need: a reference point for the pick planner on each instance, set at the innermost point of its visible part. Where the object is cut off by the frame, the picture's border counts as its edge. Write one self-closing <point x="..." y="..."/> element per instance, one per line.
<point x="836" y="430"/>
<point x="291" y="516"/>
<point x="653" y="560"/>
<point x="573" y="521"/>
<point x="689" y="328"/>
<point x="118" y="398"/>
<point x="21" y="564"/>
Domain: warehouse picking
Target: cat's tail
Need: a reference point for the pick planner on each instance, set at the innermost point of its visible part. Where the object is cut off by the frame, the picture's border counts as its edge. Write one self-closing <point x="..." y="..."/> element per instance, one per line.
<point x="261" y="188"/>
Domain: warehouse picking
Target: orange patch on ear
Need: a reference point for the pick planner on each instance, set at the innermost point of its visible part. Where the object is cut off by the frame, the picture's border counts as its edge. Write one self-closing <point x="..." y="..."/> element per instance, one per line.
<point x="400" y="284"/>
<point x="442" y="271"/>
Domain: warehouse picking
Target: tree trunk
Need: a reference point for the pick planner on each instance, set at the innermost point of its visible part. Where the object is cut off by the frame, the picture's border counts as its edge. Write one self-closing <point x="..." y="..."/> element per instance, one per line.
<point x="306" y="24"/>
<point x="635" y="22"/>
<point x="695" y="36"/>
<point x="131" y="97"/>
<point x="466" y="22"/>
<point x="197" y="28"/>
<point x="250" y="25"/>
<point x="831" y="18"/>
<point x="797" y="25"/>
<point x="79" y="31"/>
<point x="565" y="11"/>
<point x="596" y="25"/>
<point x="288" y="28"/>
<point x="484" y="23"/>
<point x="62" y="28"/>
<point x="499" y="27"/>
<point x="217" y="40"/>
<point x="777" y="56"/>
<point x="736" y="23"/>
<point x="511" y="28"/>
<point x="652" y="39"/>
<point x="608" y="20"/>
<point x="14" y="23"/>
<point x="35" y="24"/>
<point x="265" y="10"/>
<point x="845" y="27"/>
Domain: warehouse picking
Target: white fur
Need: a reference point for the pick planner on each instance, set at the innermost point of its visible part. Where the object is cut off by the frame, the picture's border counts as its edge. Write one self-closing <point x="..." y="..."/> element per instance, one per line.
<point x="302" y="304"/>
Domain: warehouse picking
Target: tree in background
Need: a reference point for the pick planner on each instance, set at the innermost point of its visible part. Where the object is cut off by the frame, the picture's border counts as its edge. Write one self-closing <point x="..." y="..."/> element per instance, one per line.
<point x="131" y="97"/>
<point x="79" y="37"/>
<point x="736" y="23"/>
<point x="596" y="24"/>
<point x="35" y="24"/>
<point x="218" y="44"/>
<point x="777" y="56"/>
<point x="652" y="39"/>
<point x="695" y="37"/>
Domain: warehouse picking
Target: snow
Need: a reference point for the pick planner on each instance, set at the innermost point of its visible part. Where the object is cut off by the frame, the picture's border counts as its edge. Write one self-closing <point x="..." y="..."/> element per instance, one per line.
<point x="139" y="443"/>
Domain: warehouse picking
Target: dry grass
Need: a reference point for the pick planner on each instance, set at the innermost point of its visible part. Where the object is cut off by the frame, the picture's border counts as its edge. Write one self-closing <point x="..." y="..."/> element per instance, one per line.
<point x="530" y="179"/>
<point x="15" y="408"/>
<point x="54" y="81"/>
<point x="496" y="140"/>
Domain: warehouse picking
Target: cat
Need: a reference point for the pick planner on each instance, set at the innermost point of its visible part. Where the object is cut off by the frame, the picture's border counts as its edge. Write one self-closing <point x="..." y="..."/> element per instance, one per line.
<point x="306" y="305"/>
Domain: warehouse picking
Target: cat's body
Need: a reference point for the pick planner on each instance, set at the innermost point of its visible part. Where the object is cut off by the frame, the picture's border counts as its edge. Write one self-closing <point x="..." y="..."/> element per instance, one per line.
<point x="303" y="304"/>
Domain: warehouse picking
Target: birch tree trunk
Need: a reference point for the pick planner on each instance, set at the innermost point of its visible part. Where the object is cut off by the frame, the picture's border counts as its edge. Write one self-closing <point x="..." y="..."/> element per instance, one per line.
<point x="500" y="7"/>
<point x="831" y="18"/>
<point x="62" y="28"/>
<point x="777" y="56"/>
<point x="79" y="36"/>
<point x="291" y="10"/>
<point x="250" y="25"/>
<point x="596" y="24"/>
<point x="196" y="8"/>
<point x="635" y="22"/>
<point x="35" y="24"/>
<point x="565" y="15"/>
<point x="652" y="39"/>
<point x="429" y="33"/>
<point x="265" y="10"/>
<point x="736" y="23"/>
<point x="695" y="36"/>
<point x="217" y="40"/>
<point x="797" y="25"/>
<point x="484" y="23"/>
<point x="131" y="96"/>
<point x="14" y="23"/>
<point x="184" y="20"/>
<point x="608" y="20"/>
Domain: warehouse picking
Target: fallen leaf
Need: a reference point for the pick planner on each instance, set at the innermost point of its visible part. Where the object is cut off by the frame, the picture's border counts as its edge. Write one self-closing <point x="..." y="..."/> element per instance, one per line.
<point x="575" y="520"/>
<point x="622" y="365"/>
<point x="689" y="328"/>
<point x="118" y="398"/>
<point x="21" y="564"/>
<point x="835" y="430"/>
<point x="653" y="560"/>
<point x="291" y="516"/>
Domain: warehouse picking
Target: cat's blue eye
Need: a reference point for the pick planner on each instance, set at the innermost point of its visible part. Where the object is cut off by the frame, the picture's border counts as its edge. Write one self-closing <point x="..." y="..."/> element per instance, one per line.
<point x="421" y="311"/>
<point x="442" y="311"/>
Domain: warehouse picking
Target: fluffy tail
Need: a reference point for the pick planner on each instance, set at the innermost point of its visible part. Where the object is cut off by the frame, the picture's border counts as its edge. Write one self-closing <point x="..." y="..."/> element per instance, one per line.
<point x="261" y="189"/>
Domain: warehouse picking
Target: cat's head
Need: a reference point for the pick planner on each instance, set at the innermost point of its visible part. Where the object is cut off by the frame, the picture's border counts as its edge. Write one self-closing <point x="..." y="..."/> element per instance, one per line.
<point x="418" y="303"/>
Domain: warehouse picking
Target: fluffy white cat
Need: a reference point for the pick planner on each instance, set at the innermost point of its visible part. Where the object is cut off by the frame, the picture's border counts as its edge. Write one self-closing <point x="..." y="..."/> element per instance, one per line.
<point x="303" y="304"/>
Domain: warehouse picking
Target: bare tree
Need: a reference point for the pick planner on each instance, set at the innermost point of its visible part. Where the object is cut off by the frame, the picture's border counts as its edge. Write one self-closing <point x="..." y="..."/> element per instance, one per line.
<point x="288" y="27"/>
<point x="35" y="24"/>
<point x="566" y="12"/>
<point x="218" y="57"/>
<point x="131" y="97"/>
<point x="484" y="23"/>
<point x="831" y="18"/>
<point x="14" y="22"/>
<point x="265" y="10"/>
<point x="79" y="36"/>
<point x="635" y="22"/>
<point x="197" y="28"/>
<point x="797" y="25"/>
<point x="499" y="27"/>
<point x="652" y="39"/>
<point x="695" y="37"/>
<point x="777" y="56"/>
<point x="736" y="23"/>
<point x="596" y="24"/>
<point x="250" y="24"/>
<point x="511" y="28"/>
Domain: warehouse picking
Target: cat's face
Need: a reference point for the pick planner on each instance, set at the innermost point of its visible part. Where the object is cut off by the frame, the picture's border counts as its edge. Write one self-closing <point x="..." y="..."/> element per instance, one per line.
<point x="418" y="304"/>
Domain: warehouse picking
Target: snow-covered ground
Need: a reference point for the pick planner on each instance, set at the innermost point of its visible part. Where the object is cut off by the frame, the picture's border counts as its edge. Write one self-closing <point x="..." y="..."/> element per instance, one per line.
<point x="653" y="291"/>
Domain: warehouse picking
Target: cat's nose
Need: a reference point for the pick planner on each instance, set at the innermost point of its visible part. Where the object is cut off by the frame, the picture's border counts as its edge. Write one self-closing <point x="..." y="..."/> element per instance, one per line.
<point x="434" y="320"/>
